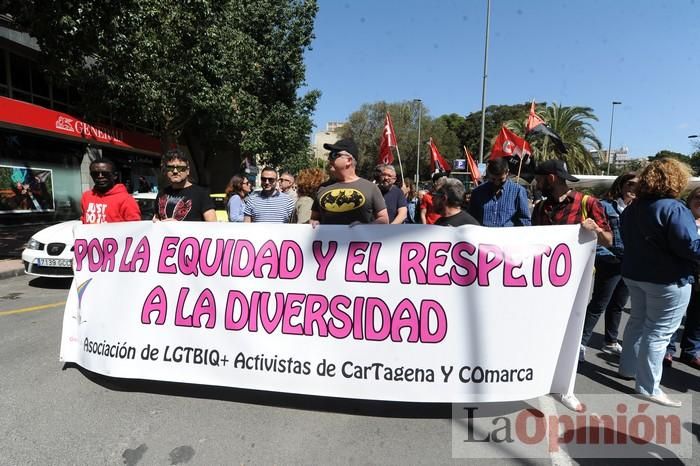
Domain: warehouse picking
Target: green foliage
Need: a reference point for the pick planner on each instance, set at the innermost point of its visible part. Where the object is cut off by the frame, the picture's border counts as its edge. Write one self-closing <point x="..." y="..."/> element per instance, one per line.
<point x="214" y="70"/>
<point x="366" y="124"/>
<point x="665" y="154"/>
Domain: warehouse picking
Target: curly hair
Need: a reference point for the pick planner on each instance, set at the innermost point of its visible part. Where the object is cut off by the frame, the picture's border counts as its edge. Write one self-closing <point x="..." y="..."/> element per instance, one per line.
<point x="309" y="180"/>
<point x="235" y="186"/>
<point x="664" y="178"/>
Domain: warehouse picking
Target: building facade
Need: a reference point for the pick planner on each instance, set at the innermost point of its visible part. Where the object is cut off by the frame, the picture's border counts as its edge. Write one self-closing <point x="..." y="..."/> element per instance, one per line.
<point x="46" y="148"/>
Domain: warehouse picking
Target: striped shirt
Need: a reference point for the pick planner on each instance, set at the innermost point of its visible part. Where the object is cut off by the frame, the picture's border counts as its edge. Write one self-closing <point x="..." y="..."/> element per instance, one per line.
<point x="276" y="208"/>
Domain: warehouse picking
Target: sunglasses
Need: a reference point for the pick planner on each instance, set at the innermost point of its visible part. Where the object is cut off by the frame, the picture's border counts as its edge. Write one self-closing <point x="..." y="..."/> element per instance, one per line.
<point x="97" y="174"/>
<point x="265" y="179"/>
<point x="334" y="155"/>
<point x="176" y="168"/>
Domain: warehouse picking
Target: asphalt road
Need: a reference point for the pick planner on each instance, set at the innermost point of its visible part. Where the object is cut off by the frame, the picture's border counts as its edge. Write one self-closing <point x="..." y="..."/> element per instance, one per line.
<point x="52" y="413"/>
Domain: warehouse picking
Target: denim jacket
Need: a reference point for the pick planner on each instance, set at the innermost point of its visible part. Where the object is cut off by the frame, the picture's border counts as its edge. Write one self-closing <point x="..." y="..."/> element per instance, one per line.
<point x="612" y="212"/>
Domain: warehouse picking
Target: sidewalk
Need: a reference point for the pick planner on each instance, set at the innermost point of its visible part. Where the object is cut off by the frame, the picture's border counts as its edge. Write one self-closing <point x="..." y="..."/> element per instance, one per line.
<point x="11" y="268"/>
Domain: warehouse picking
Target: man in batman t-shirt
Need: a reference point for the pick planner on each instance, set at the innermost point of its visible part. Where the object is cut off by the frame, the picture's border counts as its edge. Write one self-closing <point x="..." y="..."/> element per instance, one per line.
<point x="349" y="199"/>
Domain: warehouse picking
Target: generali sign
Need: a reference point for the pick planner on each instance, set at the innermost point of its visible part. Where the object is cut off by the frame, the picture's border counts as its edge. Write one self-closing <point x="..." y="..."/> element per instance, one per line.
<point x="23" y="114"/>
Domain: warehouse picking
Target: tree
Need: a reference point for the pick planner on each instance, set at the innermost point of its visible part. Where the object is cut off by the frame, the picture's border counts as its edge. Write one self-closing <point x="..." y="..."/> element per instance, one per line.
<point x="206" y="71"/>
<point x="573" y="125"/>
<point x="665" y="154"/>
<point x="365" y="127"/>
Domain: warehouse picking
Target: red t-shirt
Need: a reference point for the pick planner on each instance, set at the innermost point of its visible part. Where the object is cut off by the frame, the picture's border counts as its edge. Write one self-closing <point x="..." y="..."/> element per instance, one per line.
<point x="430" y="215"/>
<point x="116" y="205"/>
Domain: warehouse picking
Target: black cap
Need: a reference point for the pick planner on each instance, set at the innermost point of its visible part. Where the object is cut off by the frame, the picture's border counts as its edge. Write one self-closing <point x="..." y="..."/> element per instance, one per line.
<point x="348" y="145"/>
<point x="554" y="167"/>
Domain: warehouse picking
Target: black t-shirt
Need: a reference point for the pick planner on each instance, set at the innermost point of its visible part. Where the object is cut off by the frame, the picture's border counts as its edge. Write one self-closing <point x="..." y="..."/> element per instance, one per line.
<point x="188" y="204"/>
<point x="344" y="203"/>
<point x="394" y="199"/>
<point x="462" y="218"/>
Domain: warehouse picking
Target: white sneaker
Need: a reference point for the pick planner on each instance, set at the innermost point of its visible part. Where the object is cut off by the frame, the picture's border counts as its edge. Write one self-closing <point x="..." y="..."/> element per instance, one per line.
<point x="614" y="348"/>
<point x="662" y="399"/>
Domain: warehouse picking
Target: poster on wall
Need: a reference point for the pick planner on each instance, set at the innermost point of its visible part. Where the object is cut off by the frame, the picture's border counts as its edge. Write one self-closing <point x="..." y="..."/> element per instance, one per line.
<point x="25" y="189"/>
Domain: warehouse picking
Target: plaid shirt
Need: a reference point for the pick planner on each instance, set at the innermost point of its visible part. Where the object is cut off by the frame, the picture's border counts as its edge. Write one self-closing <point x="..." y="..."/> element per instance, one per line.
<point x="569" y="212"/>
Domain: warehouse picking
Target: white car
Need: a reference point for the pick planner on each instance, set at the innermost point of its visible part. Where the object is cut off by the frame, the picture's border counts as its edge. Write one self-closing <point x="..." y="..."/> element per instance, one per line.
<point x="49" y="253"/>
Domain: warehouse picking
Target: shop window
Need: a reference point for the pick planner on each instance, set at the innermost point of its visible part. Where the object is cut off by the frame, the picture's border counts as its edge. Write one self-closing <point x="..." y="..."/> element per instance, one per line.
<point x="60" y="107"/>
<point x="3" y="68"/>
<point x="60" y="94"/>
<point x="42" y="101"/>
<point x="25" y="96"/>
<point x="40" y="85"/>
<point x="20" y="73"/>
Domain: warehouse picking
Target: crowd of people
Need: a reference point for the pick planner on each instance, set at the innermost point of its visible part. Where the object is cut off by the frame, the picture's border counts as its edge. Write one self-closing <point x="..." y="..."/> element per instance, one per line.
<point x="648" y="247"/>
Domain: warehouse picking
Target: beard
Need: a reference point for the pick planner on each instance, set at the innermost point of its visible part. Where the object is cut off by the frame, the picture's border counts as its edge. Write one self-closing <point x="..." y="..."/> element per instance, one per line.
<point x="547" y="189"/>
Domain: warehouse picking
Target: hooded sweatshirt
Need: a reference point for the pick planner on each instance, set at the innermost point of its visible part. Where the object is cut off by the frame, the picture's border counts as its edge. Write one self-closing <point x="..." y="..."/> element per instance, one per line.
<point x="116" y="205"/>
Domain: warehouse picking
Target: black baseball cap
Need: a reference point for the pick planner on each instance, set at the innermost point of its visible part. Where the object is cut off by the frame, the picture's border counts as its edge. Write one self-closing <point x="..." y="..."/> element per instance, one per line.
<point x="347" y="145"/>
<point x="554" y="167"/>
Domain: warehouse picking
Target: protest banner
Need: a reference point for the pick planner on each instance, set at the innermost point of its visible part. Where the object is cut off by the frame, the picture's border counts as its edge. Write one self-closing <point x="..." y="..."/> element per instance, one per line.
<point x="406" y="312"/>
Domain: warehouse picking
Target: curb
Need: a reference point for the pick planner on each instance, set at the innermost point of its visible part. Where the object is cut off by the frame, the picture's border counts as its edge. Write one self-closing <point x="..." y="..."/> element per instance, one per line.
<point x="11" y="272"/>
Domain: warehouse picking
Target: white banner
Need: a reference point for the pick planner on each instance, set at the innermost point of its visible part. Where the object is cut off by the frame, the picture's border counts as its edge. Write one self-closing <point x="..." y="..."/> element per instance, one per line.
<point x="405" y="313"/>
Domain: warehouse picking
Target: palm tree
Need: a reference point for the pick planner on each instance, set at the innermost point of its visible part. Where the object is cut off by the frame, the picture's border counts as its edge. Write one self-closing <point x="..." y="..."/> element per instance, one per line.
<point x="573" y="125"/>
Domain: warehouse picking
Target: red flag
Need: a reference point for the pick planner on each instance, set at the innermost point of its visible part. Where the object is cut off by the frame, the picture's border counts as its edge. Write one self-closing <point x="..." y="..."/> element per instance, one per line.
<point x="437" y="162"/>
<point x="387" y="142"/>
<point x="533" y="119"/>
<point x="473" y="169"/>
<point x="509" y="144"/>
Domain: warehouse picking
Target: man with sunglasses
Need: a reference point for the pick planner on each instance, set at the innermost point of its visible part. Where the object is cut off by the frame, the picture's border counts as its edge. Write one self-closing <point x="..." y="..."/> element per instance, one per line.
<point x="108" y="201"/>
<point x="350" y="199"/>
<point x="182" y="200"/>
<point x="268" y="205"/>
<point x="286" y="185"/>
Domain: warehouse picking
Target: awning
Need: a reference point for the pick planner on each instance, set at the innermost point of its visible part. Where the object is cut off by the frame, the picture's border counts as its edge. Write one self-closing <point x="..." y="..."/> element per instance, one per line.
<point x="15" y="114"/>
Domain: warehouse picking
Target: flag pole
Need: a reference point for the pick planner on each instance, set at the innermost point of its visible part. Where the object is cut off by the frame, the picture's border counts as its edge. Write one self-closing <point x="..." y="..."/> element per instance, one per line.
<point x="398" y="155"/>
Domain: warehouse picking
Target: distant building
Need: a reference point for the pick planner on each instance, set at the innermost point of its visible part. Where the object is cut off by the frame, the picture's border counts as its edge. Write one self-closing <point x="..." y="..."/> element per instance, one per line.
<point x="620" y="157"/>
<point x="329" y="136"/>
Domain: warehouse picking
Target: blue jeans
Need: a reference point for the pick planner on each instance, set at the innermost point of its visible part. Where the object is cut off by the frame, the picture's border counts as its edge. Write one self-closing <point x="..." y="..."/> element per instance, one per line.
<point x="609" y="295"/>
<point x="656" y="313"/>
<point x="690" y="340"/>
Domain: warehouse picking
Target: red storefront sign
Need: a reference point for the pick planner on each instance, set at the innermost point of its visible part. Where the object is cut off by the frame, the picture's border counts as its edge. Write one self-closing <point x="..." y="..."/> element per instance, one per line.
<point x="25" y="115"/>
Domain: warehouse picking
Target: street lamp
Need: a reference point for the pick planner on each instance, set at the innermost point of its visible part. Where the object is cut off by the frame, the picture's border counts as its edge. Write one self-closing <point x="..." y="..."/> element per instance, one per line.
<point x="612" y="118"/>
<point x="420" y="115"/>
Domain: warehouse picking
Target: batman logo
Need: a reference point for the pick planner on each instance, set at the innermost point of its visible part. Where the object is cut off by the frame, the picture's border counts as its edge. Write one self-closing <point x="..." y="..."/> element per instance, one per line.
<point x="342" y="200"/>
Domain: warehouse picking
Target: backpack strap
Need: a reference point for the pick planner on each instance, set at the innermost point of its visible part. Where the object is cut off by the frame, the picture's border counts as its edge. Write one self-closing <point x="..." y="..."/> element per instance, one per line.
<point x="584" y="207"/>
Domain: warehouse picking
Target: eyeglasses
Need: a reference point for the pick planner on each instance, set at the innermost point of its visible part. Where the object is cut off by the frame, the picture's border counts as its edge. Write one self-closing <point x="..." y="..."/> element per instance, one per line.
<point x="265" y="179"/>
<point x="97" y="174"/>
<point x="176" y="168"/>
<point x="335" y="154"/>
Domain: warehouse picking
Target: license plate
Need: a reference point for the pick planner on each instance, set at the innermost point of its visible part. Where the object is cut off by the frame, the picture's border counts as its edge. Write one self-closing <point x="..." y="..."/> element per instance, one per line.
<point x="55" y="263"/>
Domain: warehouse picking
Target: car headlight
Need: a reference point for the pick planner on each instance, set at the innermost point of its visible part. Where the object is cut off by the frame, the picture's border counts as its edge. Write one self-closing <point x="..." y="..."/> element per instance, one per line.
<point x="34" y="244"/>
